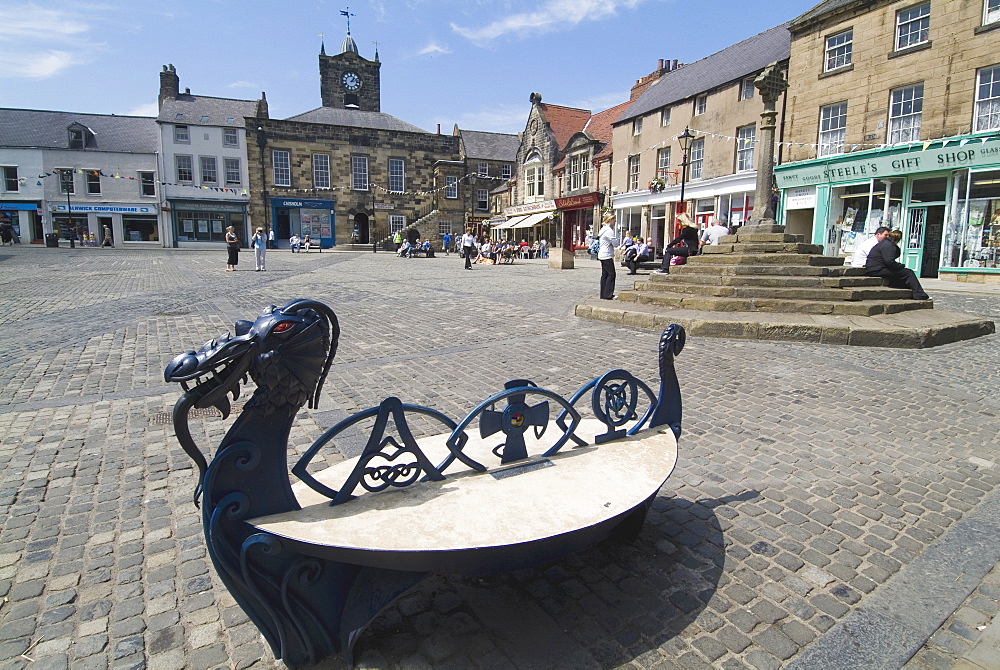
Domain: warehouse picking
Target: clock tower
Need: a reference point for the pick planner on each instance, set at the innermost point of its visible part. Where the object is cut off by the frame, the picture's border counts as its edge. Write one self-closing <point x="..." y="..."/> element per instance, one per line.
<point x="348" y="81"/>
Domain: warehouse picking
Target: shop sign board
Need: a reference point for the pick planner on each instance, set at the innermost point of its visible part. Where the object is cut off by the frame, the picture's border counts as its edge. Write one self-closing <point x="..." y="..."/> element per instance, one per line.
<point x="577" y="201"/>
<point x="800" y="198"/>
<point x="890" y="163"/>
<point x="108" y="209"/>
<point x="530" y="208"/>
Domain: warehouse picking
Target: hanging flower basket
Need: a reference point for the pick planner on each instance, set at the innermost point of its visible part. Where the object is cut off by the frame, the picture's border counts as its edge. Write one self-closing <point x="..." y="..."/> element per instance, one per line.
<point x="656" y="185"/>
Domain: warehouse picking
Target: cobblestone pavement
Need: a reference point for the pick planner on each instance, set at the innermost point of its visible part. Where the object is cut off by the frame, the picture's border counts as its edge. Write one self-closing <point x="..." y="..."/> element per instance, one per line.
<point x="820" y="491"/>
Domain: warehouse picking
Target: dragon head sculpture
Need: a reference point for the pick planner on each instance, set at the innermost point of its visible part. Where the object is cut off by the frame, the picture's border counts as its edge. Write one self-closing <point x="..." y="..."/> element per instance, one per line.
<point x="287" y="352"/>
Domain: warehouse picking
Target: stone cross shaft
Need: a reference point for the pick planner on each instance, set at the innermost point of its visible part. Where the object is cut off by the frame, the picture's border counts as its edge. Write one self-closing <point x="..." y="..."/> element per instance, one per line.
<point x="771" y="83"/>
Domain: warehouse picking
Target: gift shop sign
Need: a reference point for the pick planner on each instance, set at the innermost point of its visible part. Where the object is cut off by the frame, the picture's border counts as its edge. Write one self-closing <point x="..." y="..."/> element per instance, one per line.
<point x="873" y="165"/>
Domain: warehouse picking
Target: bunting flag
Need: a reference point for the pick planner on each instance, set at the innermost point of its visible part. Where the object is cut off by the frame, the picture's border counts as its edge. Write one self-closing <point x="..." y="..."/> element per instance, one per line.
<point x="470" y="178"/>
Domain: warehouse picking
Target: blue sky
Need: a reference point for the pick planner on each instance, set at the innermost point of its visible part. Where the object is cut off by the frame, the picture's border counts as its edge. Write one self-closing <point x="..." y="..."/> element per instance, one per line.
<point x="471" y="62"/>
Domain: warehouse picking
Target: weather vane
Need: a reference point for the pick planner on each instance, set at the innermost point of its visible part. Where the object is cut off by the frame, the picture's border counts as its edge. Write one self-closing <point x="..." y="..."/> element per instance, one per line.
<point x="347" y="13"/>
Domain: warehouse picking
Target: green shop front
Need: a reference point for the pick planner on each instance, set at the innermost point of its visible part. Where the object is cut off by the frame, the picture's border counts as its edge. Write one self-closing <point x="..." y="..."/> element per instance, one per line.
<point x="944" y="195"/>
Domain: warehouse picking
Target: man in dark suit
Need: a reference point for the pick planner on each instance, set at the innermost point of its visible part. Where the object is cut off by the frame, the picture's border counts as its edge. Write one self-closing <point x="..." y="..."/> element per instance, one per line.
<point x="881" y="262"/>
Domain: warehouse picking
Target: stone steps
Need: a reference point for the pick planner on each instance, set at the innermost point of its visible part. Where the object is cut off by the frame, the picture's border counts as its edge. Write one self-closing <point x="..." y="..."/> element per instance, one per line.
<point x="777" y="281"/>
<point x="762" y="248"/>
<point x="791" y="259"/>
<point x="821" y="293"/>
<point x="763" y="283"/>
<point x="711" y="303"/>
<point x="692" y="267"/>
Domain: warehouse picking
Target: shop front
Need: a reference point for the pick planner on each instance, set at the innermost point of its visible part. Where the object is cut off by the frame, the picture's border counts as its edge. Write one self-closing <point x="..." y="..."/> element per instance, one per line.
<point x="298" y="216"/>
<point x="650" y="214"/>
<point x="943" y="195"/>
<point x="199" y="223"/>
<point x="128" y="223"/>
<point x="540" y="221"/>
<point x="580" y="213"/>
<point x="24" y="218"/>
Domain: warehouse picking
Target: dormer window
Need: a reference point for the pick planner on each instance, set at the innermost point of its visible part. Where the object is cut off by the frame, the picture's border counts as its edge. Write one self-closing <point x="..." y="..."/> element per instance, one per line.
<point x="80" y="136"/>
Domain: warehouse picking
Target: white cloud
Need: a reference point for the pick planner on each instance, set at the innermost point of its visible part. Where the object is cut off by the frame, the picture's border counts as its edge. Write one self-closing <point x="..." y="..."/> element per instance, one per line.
<point x="244" y="84"/>
<point x="553" y="15"/>
<point x="148" y="109"/>
<point x="36" y="23"/>
<point x="35" y="64"/>
<point x="433" y="48"/>
<point x="49" y="41"/>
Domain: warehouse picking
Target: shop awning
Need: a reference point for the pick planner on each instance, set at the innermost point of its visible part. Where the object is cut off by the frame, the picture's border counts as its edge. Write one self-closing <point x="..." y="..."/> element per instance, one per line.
<point x="509" y="223"/>
<point x="531" y="220"/>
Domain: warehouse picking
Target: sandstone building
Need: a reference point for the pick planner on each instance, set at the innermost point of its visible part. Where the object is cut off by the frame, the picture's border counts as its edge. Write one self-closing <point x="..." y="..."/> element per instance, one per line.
<point x="893" y="113"/>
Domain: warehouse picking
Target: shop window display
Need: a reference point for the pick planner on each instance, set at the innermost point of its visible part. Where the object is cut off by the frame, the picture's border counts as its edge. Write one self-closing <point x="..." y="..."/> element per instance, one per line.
<point x="862" y="210"/>
<point x="974" y="234"/>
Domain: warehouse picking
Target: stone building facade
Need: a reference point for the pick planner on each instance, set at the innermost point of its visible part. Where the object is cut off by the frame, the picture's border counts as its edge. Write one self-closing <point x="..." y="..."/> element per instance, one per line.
<point x="715" y="99"/>
<point x="893" y="113"/>
<point x="348" y="81"/>
<point x="348" y="173"/>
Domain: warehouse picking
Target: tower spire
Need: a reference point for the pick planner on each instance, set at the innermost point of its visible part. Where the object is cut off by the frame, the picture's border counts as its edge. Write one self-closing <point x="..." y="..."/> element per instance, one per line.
<point x="347" y="13"/>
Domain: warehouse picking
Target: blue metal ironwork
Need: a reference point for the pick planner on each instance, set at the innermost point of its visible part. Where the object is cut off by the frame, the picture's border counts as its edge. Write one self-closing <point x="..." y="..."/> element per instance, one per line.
<point x="308" y="607"/>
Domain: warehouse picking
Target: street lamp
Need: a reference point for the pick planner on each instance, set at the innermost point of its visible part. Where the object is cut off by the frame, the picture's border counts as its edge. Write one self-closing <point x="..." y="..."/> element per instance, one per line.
<point x="66" y="179"/>
<point x="685" y="140"/>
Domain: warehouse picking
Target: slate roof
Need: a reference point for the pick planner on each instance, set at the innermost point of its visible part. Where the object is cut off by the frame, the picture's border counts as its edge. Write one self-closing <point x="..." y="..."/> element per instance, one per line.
<point x="732" y="63"/>
<point x="32" y="128"/>
<point x="490" y="146"/>
<point x="600" y="128"/>
<point x="564" y="121"/>
<point x="356" y="118"/>
<point x="217" y="110"/>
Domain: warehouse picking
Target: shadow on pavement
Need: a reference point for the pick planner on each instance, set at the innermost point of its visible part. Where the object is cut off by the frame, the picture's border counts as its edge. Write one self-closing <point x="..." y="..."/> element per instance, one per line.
<point x="602" y="608"/>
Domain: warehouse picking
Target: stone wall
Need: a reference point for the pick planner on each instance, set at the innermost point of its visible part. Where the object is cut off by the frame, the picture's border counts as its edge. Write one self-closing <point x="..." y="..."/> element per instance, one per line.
<point x="946" y="65"/>
<point x="424" y="174"/>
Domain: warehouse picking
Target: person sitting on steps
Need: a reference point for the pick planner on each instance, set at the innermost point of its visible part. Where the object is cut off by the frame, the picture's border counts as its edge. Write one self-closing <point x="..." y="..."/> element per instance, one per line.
<point x="882" y="262"/>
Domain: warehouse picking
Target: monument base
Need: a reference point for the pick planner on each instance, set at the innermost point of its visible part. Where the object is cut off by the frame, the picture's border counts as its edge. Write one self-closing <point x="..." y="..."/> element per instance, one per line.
<point x="560" y="259"/>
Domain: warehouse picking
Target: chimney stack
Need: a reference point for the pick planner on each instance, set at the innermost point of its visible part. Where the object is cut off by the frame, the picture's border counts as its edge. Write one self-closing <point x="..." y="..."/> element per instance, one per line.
<point x="169" y="84"/>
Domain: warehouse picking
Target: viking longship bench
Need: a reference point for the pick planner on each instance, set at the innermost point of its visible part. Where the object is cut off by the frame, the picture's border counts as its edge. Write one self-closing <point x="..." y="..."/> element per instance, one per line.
<point x="523" y="479"/>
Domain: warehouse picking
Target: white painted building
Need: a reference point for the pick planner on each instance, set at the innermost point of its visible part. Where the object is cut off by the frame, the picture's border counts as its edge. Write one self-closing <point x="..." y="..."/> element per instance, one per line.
<point x="74" y="174"/>
<point x="203" y="160"/>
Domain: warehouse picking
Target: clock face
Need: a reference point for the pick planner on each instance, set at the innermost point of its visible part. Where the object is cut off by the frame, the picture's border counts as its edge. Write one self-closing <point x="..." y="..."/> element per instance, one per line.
<point x="351" y="81"/>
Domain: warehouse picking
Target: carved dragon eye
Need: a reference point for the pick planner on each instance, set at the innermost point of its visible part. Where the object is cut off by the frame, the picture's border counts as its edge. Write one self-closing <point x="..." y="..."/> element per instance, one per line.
<point x="282" y="326"/>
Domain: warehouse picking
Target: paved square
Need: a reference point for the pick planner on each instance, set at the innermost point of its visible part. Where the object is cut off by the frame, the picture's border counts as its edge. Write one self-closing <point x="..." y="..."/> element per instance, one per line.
<point x="824" y="495"/>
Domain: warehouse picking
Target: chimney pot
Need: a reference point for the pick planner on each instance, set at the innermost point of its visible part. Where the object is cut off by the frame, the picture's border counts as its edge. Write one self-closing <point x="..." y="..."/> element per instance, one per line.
<point x="187" y="91"/>
<point x="660" y="65"/>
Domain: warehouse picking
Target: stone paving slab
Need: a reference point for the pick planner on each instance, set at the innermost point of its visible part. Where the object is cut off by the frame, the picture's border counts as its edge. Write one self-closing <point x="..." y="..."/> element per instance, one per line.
<point x="914" y="329"/>
<point x="812" y="480"/>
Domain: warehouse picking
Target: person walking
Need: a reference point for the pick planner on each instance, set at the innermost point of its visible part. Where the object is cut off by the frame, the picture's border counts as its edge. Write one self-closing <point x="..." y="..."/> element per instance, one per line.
<point x="270" y="238"/>
<point x="468" y="247"/>
<point x="446" y="243"/>
<point x="233" y="249"/>
<point x="107" y="238"/>
<point x="259" y="244"/>
<point x="606" y="255"/>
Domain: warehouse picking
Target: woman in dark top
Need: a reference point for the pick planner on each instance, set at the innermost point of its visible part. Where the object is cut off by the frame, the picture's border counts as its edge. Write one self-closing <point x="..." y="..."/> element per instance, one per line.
<point x="233" y="248"/>
<point x="685" y="244"/>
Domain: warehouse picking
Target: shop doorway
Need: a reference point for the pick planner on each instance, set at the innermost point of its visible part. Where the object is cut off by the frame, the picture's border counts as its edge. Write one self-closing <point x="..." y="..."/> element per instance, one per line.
<point x="925" y="225"/>
<point x="362" y="231"/>
<point x="922" y="243"/>
<point x="282" y="224"/>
